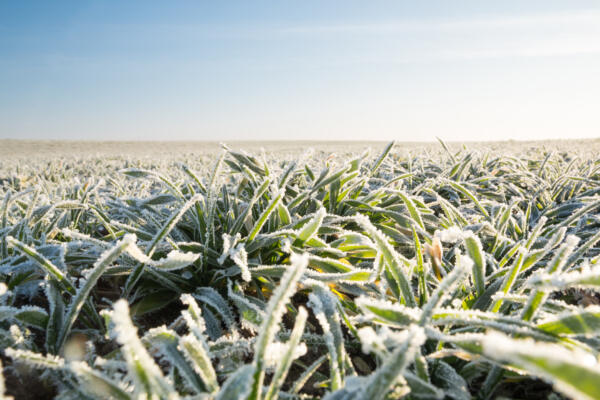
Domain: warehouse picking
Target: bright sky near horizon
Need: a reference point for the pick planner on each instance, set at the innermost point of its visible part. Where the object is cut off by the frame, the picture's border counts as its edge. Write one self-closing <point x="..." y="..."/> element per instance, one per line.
<point x="312" y="70"/>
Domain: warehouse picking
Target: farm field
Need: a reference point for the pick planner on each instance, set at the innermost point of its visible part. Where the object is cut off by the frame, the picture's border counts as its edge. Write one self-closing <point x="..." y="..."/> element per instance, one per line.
<point x="297" y="270"/>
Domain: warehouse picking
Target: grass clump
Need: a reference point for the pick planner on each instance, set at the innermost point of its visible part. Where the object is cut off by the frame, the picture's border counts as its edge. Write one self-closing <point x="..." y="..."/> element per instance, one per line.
<point x="438" y="275"/>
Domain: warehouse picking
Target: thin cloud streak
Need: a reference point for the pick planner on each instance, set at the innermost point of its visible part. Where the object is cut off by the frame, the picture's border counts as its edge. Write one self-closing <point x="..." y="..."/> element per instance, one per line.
<point x="587" y="18"/>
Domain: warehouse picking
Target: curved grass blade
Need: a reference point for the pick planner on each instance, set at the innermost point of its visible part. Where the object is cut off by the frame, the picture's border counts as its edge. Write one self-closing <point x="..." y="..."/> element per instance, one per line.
<point x="310" y="228"/>
<point x="475" y="251"/>
<point x="149" y="379"/>
<point x="96" y="384"/>
<point x="573" y="373"/>
<point x="286" y="361"/>
<point x="80" y="297"/>
<point x="380" y="382"/>
<point x="391" y="257"/>
<point x="238" y="385"/>
<point x="274" y="313"/>
<point x="264" y="216"/>
<point x="325" y="310"/>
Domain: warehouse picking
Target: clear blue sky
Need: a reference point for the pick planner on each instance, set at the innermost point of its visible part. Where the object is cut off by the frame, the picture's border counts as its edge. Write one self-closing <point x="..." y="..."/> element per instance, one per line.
<point x="311" y="69"/>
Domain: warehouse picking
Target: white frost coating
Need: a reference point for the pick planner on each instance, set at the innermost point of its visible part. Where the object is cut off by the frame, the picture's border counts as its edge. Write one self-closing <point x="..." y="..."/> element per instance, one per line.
<point x="342" y="277"/>
<point x="502" y="347"/>
<point x="321" y="304"/>
<point x="315" y="303"/>
<point x="522" y="299"/>
<point x="237" y="254"/>
<point x="35" y="359"/>
<point x="364" y="303"/>
<point x="468" y="234"/>
<point x="417" y="335"/>
<point x="197" y="354"/>
<point x="378" y="383"/>
<point x="229" y="243"/>
<point x="276" y="307"/>
<point x="588" y="276"/>
<point x="174" y="260"/>
<point x="193" y="316"/>
<point x="240" y="258"/>
<point x="392" y="337"/>
<point x="83" y="237"/>
<point x="450" y="235"/>
<point x="16" y="335"/>
<point x="125" y="332"/>
<point x="370" y="340"/>
<point x="572" y="241"/>
<point x="112" y="366"/>
<point x="442" y="312"/>
<point x="465" y="262"/>
<point x="135" y="353"/>
<point x="395" y="261"/>
<point x="275" y="350"/>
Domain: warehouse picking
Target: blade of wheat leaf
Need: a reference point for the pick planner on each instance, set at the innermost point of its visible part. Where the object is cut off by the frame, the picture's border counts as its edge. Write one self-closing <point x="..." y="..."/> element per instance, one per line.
<point x="149" y="378"/>
<point x="573" y="373"/>
<point x="275" y="310"/>
<point x="286" y="361"/>
<point x="82" y="293"/>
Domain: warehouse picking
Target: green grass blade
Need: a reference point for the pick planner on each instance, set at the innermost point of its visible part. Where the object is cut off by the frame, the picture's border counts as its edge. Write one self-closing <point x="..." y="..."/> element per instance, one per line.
<point x="287" y="359"/>
<point x="275" y="311"/>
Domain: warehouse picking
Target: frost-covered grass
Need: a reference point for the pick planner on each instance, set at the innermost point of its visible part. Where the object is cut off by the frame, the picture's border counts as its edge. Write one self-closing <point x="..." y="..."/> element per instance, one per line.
<point x="418" y="274"/>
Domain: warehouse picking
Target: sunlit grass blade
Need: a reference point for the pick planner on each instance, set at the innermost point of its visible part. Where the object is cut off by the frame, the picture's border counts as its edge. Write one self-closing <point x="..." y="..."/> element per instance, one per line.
<point x="148" y="377"/>
<point x="573" y="373"/>
<point x="391" y="257"/>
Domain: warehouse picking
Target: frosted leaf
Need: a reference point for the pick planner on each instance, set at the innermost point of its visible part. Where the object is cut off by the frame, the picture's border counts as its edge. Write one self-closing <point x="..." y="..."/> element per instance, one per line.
<point x="372" y="306"/>
<point x="573" y="372"/>
<point x="396" y="263"/>
<point x="193" y="316"/>
<point x="276" y="307"/>
<point x="173" y="261"/>
<point x="587" y="277"/>
<point x="151" y="379"/>
<point x="96" y="384"/>
<point x="197" y="354"/>
<point x="83" y="238"/>
<point x="240" y="258"/>
<point x="502" y="347"/>
<point x="228" y="243"/>
<point x="356" y="276"/>
<point x="35" y="359"/>
<point x="380" y="382"/>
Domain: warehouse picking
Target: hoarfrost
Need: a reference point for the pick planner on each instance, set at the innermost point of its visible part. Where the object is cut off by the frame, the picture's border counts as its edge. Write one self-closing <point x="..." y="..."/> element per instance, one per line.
<point x="451" y="235"/>
<point x="275" y="350"/>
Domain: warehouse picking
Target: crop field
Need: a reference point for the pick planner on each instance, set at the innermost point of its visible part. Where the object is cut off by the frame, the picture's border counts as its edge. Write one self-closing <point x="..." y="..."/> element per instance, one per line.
<point x="201" y="271"/>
